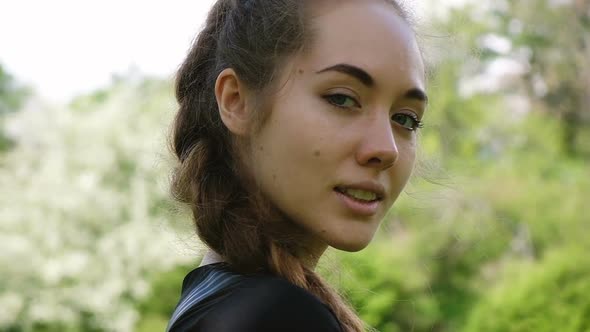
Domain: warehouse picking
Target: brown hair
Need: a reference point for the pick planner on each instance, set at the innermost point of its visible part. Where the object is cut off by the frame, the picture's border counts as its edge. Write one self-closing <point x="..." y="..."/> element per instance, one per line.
<point x="253" y="37"/>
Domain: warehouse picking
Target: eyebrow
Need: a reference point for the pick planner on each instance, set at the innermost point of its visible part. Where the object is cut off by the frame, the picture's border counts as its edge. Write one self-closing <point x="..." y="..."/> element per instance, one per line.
<point x="416" y="94"/>
<point x="353" y="71"/>
<point x="367" y="80"/>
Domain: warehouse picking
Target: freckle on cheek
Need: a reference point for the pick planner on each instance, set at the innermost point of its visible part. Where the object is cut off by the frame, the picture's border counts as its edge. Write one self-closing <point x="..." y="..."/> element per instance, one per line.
<point x="274" y="177"/>
<point x="301" y="71"/>
<point x="261" y="148"/>
<point x="317" y="153"/>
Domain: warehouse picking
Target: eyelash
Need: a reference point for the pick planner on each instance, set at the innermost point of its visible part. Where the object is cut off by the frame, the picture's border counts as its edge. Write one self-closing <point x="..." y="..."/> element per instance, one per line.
<point x="329" y="99"/>
<point x="416" y="122"/>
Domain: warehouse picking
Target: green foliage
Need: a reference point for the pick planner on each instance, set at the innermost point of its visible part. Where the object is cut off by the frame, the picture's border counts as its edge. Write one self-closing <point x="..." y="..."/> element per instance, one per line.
<point x="84" y="211"/>
<point x="551" y="295"/>
<point x="557" y="80"/>
<point x="390" y="292"/>
<point x="11" y="94"/>
<point x="12" y="97"/>
<point x="447" y="236"/>
<point x="157" y="308"/>
<point x="451" y="119"/>
<point x="534" y="175"/>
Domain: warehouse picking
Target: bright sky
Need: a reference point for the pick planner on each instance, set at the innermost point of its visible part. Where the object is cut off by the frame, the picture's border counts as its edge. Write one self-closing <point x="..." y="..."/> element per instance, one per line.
<point x="66" y="47"/>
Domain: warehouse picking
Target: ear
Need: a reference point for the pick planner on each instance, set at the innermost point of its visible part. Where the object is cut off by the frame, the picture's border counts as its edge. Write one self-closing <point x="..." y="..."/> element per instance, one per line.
<point x="231" y="97"/>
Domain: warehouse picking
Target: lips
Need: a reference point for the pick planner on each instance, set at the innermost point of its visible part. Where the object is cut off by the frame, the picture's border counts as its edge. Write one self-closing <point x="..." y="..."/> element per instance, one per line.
<point x="362" y="199"/>
<point x="363" y="191"/>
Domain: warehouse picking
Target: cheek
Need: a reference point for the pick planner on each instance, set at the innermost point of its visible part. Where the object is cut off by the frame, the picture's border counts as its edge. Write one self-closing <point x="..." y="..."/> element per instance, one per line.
<point x="411" y="155"/>
<point x="280" y="154"/>
<point x="404" y="167"/>
<point x="411" y="161"/>
<point x="407" y="147"/>
<point x="299" y="133"/>
<point x="295" y="157"/>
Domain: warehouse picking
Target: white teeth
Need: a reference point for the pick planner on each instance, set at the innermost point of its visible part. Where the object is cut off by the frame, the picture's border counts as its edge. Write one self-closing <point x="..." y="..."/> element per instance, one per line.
<point x="361" y="194"/>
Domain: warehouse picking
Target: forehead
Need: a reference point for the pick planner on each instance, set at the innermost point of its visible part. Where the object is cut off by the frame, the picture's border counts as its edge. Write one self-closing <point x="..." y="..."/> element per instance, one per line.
<point x="366" y="33"/>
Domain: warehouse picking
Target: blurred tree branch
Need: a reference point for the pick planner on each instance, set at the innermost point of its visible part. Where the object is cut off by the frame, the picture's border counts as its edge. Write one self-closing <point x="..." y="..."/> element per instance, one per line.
<point x="556" y="36"/>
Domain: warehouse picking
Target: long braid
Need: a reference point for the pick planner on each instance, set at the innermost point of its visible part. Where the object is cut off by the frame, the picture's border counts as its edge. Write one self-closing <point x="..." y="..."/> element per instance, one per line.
<point x="205" y="178"/>
<point x="288" y="266"/>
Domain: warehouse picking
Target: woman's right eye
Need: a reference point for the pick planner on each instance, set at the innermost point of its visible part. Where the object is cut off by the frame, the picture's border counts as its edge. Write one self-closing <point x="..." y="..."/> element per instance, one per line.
<point x="342" y="100"/>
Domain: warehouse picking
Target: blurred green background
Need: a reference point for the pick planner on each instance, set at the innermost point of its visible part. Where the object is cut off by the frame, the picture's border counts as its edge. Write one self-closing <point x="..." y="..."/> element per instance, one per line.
<point x="490" y="235"/>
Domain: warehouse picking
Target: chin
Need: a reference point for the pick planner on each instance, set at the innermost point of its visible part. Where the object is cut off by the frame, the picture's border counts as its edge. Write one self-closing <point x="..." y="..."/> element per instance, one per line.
<point x="351" y="245"/>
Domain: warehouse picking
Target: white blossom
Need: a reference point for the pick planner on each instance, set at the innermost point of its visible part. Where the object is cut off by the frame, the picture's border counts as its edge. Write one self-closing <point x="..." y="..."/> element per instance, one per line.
<point x="84" y="220"/>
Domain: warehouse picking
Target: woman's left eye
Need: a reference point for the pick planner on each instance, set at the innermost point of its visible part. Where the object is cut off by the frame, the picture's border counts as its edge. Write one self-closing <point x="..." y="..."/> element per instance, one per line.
<point x="342" y="100"/>
<point x="408" y="121"/>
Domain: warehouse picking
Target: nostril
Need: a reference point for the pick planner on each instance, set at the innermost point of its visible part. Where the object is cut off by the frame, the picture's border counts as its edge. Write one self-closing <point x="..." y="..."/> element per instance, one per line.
<point x="381" y="162"/>
<point x="374" y="161"/>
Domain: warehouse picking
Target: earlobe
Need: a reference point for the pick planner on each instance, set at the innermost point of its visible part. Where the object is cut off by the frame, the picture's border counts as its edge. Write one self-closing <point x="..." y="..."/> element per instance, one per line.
<point x="231" y="101"/>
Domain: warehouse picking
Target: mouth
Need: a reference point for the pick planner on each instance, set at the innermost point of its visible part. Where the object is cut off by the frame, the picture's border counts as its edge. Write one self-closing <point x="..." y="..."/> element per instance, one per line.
<point x="362" y="191"/>
<point x="360" y="202"/>
<point x="361" y="199"/>
<point x="363" y="196"/>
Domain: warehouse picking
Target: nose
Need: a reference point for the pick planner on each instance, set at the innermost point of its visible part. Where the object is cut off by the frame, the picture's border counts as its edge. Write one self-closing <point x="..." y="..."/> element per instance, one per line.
<point x="378" y="148"/>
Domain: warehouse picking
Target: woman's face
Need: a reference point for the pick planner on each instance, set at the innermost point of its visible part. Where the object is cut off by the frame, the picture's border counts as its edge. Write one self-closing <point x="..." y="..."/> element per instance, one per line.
<point x="339" y="144"/>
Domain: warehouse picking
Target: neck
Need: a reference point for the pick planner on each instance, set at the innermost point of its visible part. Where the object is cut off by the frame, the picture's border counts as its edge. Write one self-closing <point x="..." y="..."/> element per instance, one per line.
<point x="211" y="257"/>
<point x="309" y="255"/>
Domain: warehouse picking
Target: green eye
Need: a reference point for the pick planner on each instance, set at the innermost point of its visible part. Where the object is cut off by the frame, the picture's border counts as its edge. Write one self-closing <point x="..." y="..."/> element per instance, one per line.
<point x="341" y="100"/>
<point x="409" y="122"/>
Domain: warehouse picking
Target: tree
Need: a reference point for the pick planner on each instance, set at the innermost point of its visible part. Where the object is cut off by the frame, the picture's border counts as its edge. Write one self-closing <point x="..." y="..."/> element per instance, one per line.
<point x="84" y="210"/>
<point x="551" y="295"/>
<point x="11" y="98"/>
<point x="554" y="38"/>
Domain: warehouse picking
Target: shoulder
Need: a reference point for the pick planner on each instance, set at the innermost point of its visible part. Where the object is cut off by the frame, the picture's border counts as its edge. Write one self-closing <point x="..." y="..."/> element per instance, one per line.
<point x="202" y="288"/>
<point x="267" y="303"/>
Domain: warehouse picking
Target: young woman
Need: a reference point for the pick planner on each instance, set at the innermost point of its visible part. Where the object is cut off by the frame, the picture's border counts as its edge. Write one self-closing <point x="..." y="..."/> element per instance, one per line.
<point x="296" y="131"/>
